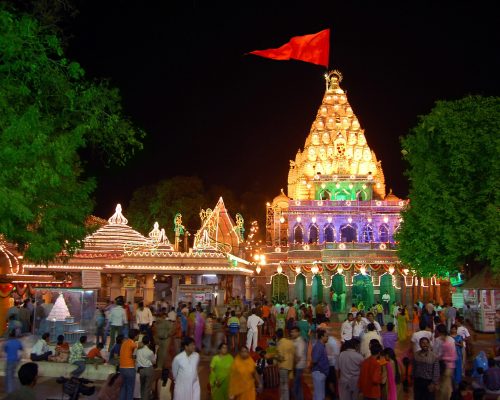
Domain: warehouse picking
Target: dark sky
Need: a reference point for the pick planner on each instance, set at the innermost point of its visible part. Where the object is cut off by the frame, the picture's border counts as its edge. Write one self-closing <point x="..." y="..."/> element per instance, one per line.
<point x="236" y="120"/>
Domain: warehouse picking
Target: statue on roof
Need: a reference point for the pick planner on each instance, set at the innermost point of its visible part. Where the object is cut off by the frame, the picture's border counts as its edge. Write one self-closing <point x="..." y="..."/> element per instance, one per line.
<point x="240" y="228"/>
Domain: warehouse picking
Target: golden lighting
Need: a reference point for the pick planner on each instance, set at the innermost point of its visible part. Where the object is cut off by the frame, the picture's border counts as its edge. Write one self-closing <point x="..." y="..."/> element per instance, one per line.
<point x="258" y="269"/>
<point x="314" y="269"/>
<point x="279" y="269"/>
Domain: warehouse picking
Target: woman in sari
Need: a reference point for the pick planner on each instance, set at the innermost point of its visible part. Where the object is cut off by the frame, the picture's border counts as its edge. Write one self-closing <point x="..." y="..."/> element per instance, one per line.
<point x="243" y="378"/>
<point x="220" y="368"/>
<point x="199" y="327"/>
<point x="402" y="324"/>
<point x="459" y="344"/>
<point x="393" y="388"/>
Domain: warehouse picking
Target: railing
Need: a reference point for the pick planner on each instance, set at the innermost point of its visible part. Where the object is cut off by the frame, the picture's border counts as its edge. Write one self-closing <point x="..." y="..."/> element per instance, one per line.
<point x="331" y="246"/>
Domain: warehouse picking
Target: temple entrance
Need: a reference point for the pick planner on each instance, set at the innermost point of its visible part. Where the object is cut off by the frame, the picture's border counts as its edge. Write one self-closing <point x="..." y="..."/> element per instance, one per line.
<point x="338" y="294"/>
<point x="279" y="291"/>
<point x="317" y="289"/>
<point x="387" y="286"/>
<point x="362" y="291"/>
<point x="300" y="288"/>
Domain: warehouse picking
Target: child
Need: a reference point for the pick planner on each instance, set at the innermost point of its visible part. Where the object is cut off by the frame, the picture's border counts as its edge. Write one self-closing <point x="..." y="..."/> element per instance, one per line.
<point x="114" y="354"/>
<point x="261" y="365"/>
<point x="61" y="351"/>
<point x="94" y="356"/>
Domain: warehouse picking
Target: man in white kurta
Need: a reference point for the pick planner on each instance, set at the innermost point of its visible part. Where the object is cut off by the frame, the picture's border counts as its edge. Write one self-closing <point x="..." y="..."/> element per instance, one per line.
<point x="185" y="373"/>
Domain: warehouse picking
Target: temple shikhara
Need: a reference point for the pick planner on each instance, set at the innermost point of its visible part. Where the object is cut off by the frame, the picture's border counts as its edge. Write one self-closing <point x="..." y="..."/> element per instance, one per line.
<point x="331" y="237"/>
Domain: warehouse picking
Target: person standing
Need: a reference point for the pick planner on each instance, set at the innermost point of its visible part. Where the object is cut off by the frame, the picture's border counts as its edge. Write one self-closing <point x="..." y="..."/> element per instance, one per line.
<point x="145" y="359"/>
<point x="300" y="362"/>
<point x="402" y="324"/>
<point x="451" y="315"/>
<point x="243" y="377"/>
<point x="333" y="351"/>
<point x="389" y="337"/>
<point x="243" y="330"/>
<point x="127" y="364"/>
<point x="346" y="329"/>
<point x="117" y="320"/>
<point x="425" y="372"/>
<point x="25" y="317"/>
<point x="253" y="324"/>
<point x="320" y="365"/>
<point x="185" y="372"/>
<point x="207" y="335"/>
<point x="349" y="367"/>
<point x="220" y="369"/>
<point x="372" y="334"/>
<point x="286" y="353"/>
<point x="199" y="327"/>
<point x="386" y="301"/>
<point x="447" y="355"/>
<point x="12" y="347"/>
<point x="100" y="324"/>
<point x="164" y="330"/>
<point x="28" y="374"/>
<point x="358" y="326"/>
<point x="370" y="376"/>
<point x="144" y="319"/>
<point x="233" y="326"/>
<point x="40" y="351"/>
<point x="77" y="356"/>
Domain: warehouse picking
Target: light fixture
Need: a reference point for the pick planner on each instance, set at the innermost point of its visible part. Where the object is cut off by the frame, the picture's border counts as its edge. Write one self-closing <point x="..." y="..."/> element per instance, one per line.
<point x="363" y="270"/>
<point x="405" y="271"/>
<point x="297" y="270"/>
<point x="351" y="185"/>
<point x="340" y="269"/>
<point x="258" y="269"/>
<point x="369" y="219"/>
<point x="349" y="219"/>
<point x="329" y="219"/>
<point x="313" y="219"/>
<point x="262" y="259"/>
<point x="337" y="185"/>
<point x="256" y="257"/>
<point x="391" y="269"/>
<point x="268" y="204"/>
<point x="282" y="219"/>
<point x="314" y="269"/>
<point x="279" y="269"/>
<point x="299" y="219"/>
<point x="323" y="186"/>
<point x="309" y="186"/>
<point x="386" y="220"/>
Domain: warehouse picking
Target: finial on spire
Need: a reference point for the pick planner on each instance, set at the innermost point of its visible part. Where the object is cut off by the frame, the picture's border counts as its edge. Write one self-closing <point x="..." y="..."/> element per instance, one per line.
<point x="118" y="217"/>
<point x="333" y="78"/>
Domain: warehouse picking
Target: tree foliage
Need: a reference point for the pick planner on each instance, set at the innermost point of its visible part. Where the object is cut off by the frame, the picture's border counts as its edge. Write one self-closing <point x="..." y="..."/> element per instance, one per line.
<point x="49" y="113"/>
<point x="452" y="220"/>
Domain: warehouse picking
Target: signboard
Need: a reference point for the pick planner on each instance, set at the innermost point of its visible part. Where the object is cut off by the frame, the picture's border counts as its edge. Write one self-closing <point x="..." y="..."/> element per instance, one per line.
<point x="91" y="279"/>
<point x="129" y="283"/>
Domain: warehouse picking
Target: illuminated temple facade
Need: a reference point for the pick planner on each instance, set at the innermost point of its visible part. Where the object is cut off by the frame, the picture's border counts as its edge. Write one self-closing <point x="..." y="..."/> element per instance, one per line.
<point x="332" y="236"/>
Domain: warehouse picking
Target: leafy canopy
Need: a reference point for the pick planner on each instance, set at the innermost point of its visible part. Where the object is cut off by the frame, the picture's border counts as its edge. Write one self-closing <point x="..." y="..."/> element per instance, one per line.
<point x="452" y="220"/>
<point x="49" y="114"/>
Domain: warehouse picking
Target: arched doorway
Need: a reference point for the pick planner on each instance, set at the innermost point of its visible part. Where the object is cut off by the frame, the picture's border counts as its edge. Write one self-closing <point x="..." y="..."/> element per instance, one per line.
<point x="300" y="288"/>
<point x="329" y="234"/>
<point x="362" y="291"/>
<point x="298" y="234"/>
<point x="317" y="289"/>
<point x="349" y="233"/>
<point x="383" y="233"/>
<point x="337" y="300"/>
<point x="313" y="234"/>
<point x="279" y="291"/>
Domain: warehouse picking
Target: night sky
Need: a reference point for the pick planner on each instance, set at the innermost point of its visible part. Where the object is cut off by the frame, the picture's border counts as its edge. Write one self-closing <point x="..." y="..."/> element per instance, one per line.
<point x="237" y="120"/>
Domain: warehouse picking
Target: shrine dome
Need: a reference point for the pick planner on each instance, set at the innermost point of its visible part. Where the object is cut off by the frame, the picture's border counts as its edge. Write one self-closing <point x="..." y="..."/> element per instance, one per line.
<point x="112" y="237"/>
<point x="281" y="200"/>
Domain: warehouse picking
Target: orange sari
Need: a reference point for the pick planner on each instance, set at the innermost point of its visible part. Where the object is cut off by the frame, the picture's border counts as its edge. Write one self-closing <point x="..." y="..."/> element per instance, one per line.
<point x="241" y="379"/>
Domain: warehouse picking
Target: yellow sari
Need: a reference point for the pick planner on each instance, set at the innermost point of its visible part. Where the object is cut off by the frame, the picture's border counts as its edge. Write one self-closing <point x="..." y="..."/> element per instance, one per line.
<point x="241" y="380"/>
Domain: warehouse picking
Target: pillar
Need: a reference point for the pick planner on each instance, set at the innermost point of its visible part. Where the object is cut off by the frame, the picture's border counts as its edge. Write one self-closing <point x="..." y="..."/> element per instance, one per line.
<point x="174" y="289"/>
<point x="149" y="289"/>
<point x="5" y="304"/>
<point x="248" y="292"/>
<point x="116" y="286"/>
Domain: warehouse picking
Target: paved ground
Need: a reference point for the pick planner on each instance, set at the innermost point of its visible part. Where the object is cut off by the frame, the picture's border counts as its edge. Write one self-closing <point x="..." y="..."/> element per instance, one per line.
<point x="47" y="388"/>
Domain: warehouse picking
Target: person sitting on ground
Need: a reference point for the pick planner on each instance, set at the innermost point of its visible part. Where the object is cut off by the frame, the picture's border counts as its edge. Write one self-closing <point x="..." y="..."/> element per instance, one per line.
<point x="114" y="354"/>
<point x="27" y="374"/>
<point x="61" y="351"/>
<point x="77" y="357"/>
<point x="94" y="356"/>
<point x="40" y="351"/>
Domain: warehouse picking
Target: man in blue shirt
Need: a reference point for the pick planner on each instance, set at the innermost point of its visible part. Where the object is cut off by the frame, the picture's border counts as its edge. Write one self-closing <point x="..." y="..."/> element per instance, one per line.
<point x="12" y="348"/>
<point x="321" y="366"/>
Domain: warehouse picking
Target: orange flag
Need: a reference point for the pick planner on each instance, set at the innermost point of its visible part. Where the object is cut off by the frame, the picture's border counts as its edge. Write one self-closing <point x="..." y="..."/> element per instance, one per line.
<point x="312" y="48"/>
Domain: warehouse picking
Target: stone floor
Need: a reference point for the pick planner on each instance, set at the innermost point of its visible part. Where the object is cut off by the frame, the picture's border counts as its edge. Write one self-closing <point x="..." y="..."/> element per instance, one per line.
<point x="47" y="388"/>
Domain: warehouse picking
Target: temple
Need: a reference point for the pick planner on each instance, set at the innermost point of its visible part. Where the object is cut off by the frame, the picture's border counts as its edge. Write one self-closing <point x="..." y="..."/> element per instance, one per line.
<point x="332" y="237"/>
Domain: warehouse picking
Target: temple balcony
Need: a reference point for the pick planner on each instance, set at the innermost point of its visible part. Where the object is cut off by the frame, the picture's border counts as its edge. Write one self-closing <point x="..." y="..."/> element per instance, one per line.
<point x="345" y="205"/>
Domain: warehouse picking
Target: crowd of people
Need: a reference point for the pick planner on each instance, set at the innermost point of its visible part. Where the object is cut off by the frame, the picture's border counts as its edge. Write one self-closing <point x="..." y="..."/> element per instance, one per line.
<point x="272" y="344"/>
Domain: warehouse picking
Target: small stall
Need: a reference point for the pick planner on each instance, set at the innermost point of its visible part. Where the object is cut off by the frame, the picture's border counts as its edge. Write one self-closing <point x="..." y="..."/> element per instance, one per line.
<point x="196" y="294"/>
<point x="481" y="298"/>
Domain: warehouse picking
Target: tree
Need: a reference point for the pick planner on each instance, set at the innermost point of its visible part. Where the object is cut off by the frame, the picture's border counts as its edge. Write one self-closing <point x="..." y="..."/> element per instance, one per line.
<point x="452" y="221"/>
<point x="49" y="115"/>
